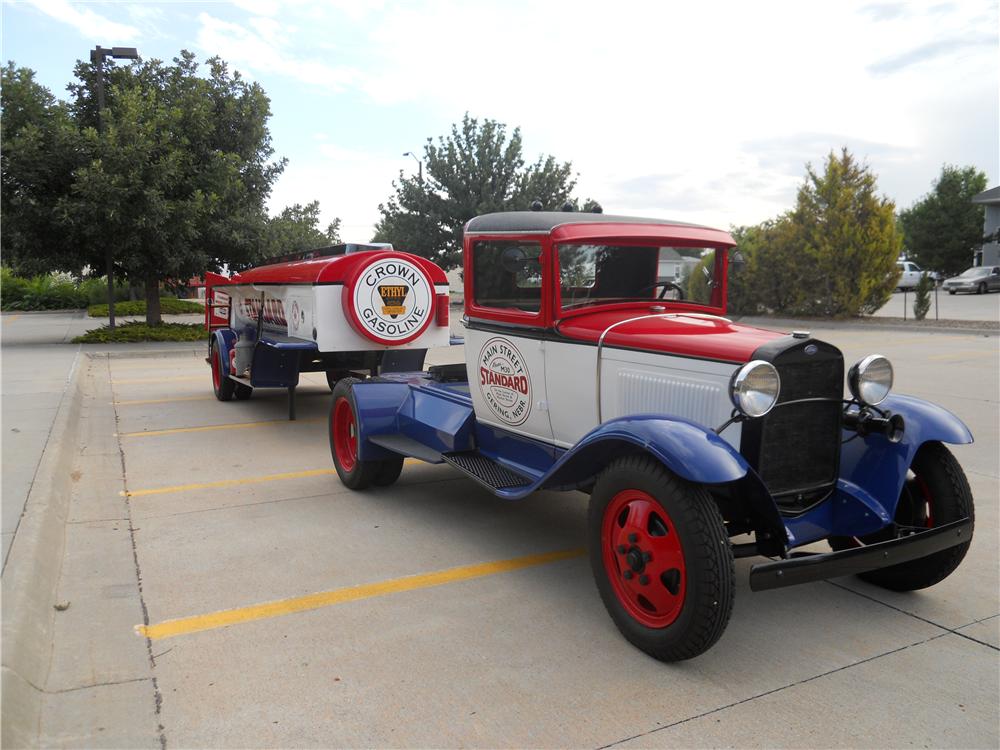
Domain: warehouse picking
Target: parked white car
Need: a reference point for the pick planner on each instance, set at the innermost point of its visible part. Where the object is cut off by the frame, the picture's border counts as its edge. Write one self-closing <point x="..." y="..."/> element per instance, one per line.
<point x="910" y="273"/>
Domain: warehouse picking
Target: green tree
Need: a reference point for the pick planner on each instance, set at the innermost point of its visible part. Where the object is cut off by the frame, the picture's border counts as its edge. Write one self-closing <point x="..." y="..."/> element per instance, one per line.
<point x="944" y="228"/>
<point x="922" y="297"/>
<point x="847" y="238"/>
<point x="477" y="169"/>
<point x="767" y="274"/>
<point x="175" y="183"/>
<point x="41" y="148"/>
<point x="296" y="228"/>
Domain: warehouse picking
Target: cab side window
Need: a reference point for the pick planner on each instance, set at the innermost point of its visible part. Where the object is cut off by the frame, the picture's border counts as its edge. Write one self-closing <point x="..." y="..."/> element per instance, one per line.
<point x="507" y="274"/>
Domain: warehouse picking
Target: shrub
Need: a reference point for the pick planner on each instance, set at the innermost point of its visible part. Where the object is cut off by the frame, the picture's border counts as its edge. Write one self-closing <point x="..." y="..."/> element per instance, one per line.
<point x="922" y="297"/>
<point x="96" y="291"/>
<point x="46" y="292"/>
<point x="135" y="331"/>
<point x="168" y="306"/>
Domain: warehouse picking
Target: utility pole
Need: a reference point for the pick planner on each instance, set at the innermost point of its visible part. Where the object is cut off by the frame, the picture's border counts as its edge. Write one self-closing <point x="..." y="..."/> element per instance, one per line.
<point x="420" y="165"/>
<point x="97" y="56"/>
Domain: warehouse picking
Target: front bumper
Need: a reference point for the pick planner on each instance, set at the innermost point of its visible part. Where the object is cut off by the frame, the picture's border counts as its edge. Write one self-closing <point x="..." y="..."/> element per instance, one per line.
<point x="823" y="565"/>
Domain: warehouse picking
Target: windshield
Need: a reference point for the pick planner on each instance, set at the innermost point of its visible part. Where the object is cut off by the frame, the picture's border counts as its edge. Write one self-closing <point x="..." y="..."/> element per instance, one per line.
<point x="974" y="271"/>
<point x="599" y="274"/>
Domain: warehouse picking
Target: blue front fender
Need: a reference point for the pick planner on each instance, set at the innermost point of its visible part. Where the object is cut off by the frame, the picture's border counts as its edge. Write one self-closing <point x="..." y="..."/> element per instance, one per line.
<point x="879" y="466"/>
<point x="686" y="448"/>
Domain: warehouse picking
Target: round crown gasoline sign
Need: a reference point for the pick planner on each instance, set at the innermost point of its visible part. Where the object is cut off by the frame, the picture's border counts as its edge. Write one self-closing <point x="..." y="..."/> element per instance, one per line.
<point x="389" y="301"/>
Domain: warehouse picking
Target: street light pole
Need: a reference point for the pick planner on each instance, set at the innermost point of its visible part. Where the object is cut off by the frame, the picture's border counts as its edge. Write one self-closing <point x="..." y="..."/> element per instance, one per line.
<point x="420" y="165"/>
<point x="97" y="56"/>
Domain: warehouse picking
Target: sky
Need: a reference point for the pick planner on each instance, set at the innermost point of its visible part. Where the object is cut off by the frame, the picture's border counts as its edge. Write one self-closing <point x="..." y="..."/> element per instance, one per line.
<point x="702" y="112"/>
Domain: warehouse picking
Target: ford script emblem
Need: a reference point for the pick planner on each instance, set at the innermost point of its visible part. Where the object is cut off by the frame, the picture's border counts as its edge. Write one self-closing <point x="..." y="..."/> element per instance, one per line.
<point x="811" y="349"/>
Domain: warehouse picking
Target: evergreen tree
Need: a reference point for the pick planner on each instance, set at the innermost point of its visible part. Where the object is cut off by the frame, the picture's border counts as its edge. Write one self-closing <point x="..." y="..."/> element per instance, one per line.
<point x="922" y="297"/>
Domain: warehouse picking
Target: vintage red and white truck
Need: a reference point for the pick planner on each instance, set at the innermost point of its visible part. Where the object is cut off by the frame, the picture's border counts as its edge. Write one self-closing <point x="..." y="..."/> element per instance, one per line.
<point x="598" y="358"/>
<point x="346" y="309"/>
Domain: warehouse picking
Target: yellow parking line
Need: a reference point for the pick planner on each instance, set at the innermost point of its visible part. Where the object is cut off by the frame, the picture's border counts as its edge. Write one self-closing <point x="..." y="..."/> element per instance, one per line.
<point x="130" y="381"/>
<point x="10" y="318"/>
<point x="237" y="482"/>
<point x="212" y="427"/>
<point x="226" y="617"/>
<point x="137" y="402"/>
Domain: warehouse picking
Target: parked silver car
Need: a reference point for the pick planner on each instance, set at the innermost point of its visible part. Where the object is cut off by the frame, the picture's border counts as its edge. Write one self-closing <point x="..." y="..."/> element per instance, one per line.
<point x="978" y="279"/>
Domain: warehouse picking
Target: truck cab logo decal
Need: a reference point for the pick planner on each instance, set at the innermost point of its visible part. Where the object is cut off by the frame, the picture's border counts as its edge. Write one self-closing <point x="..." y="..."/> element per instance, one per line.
<point x="504" y="381"/>
<point x="390" y="301"/>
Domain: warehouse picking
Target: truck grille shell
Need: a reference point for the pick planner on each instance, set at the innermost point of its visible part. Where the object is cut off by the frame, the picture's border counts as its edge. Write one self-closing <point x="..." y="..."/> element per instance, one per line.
<point x="795" y="448"/>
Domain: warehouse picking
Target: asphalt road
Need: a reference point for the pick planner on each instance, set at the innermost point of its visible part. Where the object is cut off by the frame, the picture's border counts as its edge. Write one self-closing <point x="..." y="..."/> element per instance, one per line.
<point x="283" y="610"/>
<point x="949" y="306"/>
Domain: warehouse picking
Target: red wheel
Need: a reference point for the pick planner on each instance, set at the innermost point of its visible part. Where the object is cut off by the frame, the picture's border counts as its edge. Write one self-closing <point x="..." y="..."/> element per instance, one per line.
<point x="354" y="472"/>
<point x="345" y="434"/>
<point x="661" y="558"/>
<point x="643" y="557"/>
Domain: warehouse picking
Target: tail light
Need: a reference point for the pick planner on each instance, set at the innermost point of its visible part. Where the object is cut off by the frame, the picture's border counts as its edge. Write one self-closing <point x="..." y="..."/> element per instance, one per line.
<point x="441" y="317"/>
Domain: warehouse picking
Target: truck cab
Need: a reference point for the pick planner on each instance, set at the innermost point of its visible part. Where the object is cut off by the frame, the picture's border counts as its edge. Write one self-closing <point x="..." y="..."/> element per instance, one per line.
<point x="598" y="358"/>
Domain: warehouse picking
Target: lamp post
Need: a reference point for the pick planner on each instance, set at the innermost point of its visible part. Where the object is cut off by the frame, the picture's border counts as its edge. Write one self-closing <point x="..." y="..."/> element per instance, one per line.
<point x="97" y="57"/>
<point x="420" y="165"/>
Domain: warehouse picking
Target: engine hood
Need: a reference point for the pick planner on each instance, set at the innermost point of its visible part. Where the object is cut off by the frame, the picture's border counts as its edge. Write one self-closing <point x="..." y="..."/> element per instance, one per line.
<point x="681" y="334"/>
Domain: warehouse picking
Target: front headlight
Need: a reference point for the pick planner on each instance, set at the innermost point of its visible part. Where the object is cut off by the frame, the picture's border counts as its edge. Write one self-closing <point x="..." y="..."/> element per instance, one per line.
<point x="754" y="388"/>
<point x="870" y="380"/>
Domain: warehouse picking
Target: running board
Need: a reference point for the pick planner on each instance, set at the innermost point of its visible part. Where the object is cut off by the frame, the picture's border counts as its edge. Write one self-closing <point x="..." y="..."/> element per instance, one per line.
<point x="486" y="471"/>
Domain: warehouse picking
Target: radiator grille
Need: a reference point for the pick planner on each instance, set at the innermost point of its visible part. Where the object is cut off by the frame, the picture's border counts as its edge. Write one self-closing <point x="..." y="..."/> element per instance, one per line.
<point x="796" y="447"/>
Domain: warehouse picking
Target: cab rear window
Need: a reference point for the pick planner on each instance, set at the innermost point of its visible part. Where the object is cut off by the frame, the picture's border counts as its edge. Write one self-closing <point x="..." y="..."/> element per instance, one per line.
<point x="507" y="274"/>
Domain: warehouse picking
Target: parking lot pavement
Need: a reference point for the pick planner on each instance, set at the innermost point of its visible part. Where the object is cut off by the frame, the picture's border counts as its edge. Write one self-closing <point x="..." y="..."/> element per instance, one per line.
<point x="282" y="609"/>
<point x="949" y="307"/>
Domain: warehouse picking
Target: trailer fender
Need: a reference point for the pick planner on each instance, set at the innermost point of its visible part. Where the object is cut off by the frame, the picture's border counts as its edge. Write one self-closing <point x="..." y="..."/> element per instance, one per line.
<point x="225" y="339"/>
<point x="879" y="466"/>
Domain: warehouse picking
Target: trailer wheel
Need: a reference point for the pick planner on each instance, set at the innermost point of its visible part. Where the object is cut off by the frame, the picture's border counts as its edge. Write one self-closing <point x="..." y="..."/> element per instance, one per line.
<point x="353" y="472"/>
<point x="936" y="492"/>
<point x="224" y="387"/>
<point x="661" y="559"/>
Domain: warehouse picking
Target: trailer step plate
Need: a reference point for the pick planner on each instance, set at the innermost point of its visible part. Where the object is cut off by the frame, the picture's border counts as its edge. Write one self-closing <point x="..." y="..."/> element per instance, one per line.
<point x="485" y="470"/>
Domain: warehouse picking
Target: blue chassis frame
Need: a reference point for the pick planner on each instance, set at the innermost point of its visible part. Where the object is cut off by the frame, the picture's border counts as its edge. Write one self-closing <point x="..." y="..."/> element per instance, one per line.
<point x="436" y="418"/>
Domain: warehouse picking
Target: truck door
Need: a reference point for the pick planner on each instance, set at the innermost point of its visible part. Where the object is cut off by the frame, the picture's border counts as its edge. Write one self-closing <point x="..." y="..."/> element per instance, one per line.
<point x="506" y="308"/>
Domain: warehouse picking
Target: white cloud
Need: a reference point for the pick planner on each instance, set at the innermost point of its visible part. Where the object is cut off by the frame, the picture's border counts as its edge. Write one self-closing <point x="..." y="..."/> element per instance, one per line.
<point x="95" y="27"/>
<point x="347" y="182"/>
<point x="706" y="112"/>
<point x="259" y="7"/>
<point x="264" y="50"/>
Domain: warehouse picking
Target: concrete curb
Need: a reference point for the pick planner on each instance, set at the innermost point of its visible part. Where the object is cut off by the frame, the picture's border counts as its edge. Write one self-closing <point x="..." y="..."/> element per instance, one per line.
<point x="869" y="324"/>
<point x="31" y="576"/>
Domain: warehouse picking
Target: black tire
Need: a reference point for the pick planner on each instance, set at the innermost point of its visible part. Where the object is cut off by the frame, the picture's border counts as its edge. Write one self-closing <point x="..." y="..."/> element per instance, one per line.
<point x="354" y="473"/>
<point x="223" y="387"/>
<point x="936" y="494"/>
<point x="708" y="583"/>
<point x="950" y="291"/>
<point x="332" y="377"/>
<point x="243" y="391"/>
<point x="981" y="289"/>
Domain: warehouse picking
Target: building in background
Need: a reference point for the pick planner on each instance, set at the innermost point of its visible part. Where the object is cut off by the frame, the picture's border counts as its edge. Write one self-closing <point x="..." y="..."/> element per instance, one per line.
<point x="989" y="254"/>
